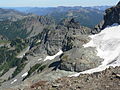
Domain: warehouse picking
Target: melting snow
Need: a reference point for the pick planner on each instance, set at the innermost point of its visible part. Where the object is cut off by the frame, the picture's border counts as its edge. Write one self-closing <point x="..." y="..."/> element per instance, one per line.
<point x="39" y="59"/>
<point x="54" y="56"/>
<point x="38" y="41"/>
<point x="107" y="43"/>
<point x="14" y="81"/>
<point x="25" y="74"/>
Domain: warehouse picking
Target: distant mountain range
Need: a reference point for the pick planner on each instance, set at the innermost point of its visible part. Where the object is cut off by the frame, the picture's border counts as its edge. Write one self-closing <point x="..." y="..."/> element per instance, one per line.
<point x="9" y="14"/>
<point x="86" y="16"/>
<point x="47" y="10"/>
<point x="101" y="8"/>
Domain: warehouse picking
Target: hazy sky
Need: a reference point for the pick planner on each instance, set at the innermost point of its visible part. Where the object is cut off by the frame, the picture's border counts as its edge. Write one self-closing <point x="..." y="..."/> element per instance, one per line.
<point x="52" y="3"/>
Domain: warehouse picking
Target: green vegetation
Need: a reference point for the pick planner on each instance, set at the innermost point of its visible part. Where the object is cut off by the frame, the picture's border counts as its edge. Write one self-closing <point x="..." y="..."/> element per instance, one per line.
<point x="41" y="68"/>
<point x="8" y="56"/>
<point x="12" y="30"/>
<point x="36" y="68"/>
<point x="20" y="66"/>
<point x="4" y="41"/>
<point x="33" y="69"/>
<point x="19" y="44"/>
<point x="7" y="59"/>
<point x="65" y="57"/>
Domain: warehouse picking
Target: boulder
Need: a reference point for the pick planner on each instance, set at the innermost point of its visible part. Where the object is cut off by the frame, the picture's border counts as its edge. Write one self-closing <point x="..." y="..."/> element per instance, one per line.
<point x="79" y="59"/>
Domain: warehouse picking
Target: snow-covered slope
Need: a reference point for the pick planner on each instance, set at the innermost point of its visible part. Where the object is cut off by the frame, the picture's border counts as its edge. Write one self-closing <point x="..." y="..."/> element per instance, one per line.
<point x="107" y="44"/>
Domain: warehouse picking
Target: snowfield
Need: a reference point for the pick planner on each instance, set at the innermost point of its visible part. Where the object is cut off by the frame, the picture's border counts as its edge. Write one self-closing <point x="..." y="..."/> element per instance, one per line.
<point x="54" y="56"/>
<point x="25" y="74"/>
<point x="39" y="59"/>
<point x="107" y="43"/>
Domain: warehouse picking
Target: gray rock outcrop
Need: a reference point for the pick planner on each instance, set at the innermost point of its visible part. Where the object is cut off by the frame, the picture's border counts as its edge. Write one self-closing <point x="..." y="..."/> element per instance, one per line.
<point x="79" y="59"/>
<point x="112" y="16"/>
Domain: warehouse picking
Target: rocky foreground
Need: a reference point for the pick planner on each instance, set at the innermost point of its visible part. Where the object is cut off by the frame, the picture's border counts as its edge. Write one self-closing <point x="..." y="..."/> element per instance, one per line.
<point x="108" y="79"/>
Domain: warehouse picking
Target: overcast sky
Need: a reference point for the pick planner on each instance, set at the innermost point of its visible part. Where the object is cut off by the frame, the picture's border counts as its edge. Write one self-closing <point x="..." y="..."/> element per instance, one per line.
<point x="53" y="3"/>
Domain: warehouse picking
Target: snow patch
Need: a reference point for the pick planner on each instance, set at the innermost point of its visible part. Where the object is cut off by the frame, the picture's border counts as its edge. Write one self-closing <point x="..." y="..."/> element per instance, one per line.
<point x="54" y="56"/>
<point x="38" y="41"/>
<point x="39" y="59"/>
<point x="25" y="74"/>
<point x="107" y="43"/>
<point x="14" y="81"/>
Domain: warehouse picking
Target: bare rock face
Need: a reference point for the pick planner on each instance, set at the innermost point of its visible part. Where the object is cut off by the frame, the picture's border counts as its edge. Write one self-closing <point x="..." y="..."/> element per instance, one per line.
<point x="118" y="3"/>
<point x="70" y="23"/>
<point x="61" y="36"/>
<point x="69" y="37"/>
<point x="112" y="16"/>
<point x="79" y="59"/>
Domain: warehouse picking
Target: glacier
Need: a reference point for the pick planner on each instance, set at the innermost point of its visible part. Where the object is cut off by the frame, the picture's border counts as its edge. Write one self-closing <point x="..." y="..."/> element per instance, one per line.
<point x="107" y="44"/>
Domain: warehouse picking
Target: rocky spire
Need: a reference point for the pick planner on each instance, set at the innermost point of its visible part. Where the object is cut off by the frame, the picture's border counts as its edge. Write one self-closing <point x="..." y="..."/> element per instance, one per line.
<point x="70" y="23"/>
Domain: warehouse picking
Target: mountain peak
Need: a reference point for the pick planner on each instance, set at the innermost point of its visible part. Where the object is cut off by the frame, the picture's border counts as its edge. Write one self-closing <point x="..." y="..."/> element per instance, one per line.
<point x="111" y="17"/>
<point x="70" y="23"/>
<point x="118" y="3"/>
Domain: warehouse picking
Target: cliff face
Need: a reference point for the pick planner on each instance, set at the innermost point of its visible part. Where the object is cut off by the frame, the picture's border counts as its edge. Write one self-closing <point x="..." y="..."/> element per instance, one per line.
<point x="69" y="36"/>
<point x="112" y="16"/>
<point x="61" y="36"/>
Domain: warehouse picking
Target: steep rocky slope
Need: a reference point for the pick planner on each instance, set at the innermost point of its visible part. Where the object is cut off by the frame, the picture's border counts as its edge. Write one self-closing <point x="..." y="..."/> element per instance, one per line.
<point x="57" y="51"/>
<point x="27" y="27"/>
<point x="43" y="55"/>
<point x="107" y="48"/>
<point x="69" y="36"/>
<point x="111" y="17"/>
